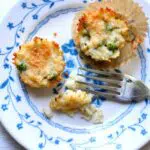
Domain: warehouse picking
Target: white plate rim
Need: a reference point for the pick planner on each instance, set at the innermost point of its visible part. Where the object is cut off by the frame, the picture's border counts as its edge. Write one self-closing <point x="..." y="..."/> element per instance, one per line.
<point x="2" y="119"/>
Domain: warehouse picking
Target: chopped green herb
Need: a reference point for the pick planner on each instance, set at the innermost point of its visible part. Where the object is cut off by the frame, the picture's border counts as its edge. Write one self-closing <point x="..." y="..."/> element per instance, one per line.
<point x="53" y="78"/>
<point x="109" y="27"/>
<point x="22" y="67"/>
<point x="130" y="37"/>
<point x="84" y="32"/>
<point x="115" y="40"/>
<point x="112" y="46"/>
<point x="84" y="25"/>
<point x="102" y="43"/>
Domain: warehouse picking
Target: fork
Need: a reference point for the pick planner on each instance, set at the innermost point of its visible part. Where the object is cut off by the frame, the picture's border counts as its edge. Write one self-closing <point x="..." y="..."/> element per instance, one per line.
<point x="112" y="85"/>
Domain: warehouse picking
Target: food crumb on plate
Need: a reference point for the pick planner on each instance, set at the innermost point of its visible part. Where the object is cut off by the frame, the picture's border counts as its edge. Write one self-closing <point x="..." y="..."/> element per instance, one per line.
<point x="55" y="34"/>
<point x="47" y="113"/>
<point x="92" y="113"/>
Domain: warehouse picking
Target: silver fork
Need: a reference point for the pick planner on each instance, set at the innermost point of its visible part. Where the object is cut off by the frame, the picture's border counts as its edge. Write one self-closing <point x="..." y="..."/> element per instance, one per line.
<point x="116" y="85"/>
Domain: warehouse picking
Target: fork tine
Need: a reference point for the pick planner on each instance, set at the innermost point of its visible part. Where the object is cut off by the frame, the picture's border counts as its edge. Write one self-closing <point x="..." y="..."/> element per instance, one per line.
<point x="102" y="94"/>
<point x="110" y="81"/>
<point x="109" y="88"/>
<point x="101" y="72"/>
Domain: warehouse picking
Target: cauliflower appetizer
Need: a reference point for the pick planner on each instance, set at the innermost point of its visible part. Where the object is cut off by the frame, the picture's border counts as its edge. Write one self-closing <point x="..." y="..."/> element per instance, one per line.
<point x="109" y="32"/>
<point x="101" y="34"/>
<point x="40" y="63"/>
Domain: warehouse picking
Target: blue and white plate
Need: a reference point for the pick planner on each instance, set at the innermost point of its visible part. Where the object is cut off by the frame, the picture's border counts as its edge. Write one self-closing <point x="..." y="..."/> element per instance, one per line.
<point x="125" y="126"/>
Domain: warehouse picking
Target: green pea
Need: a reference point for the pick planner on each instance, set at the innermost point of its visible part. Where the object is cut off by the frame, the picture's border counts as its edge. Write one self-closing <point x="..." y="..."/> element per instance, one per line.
<point x="112" y="46"/>
<point x="22" y="67"/>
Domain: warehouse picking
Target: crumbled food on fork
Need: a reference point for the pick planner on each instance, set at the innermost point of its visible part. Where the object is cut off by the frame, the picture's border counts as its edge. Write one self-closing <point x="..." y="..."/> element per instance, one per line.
<point x="74" y="100"/>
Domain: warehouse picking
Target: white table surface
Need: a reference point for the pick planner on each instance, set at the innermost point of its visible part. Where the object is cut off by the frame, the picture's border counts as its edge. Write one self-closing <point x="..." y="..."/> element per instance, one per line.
<point x="6" y="141"/>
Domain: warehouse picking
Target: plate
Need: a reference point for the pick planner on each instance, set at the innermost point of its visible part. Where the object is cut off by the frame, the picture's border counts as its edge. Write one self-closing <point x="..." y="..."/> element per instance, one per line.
<point x="21" y="106"/>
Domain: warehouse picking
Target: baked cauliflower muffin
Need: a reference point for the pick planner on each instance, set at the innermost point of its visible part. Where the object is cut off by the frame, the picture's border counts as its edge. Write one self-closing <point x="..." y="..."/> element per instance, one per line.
<point x="40" y="63"/>
<point x="101" y="34"/>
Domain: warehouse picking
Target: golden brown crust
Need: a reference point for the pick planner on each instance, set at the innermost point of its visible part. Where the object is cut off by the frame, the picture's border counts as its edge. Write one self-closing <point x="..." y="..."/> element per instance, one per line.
<point x="42" y="58"/>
